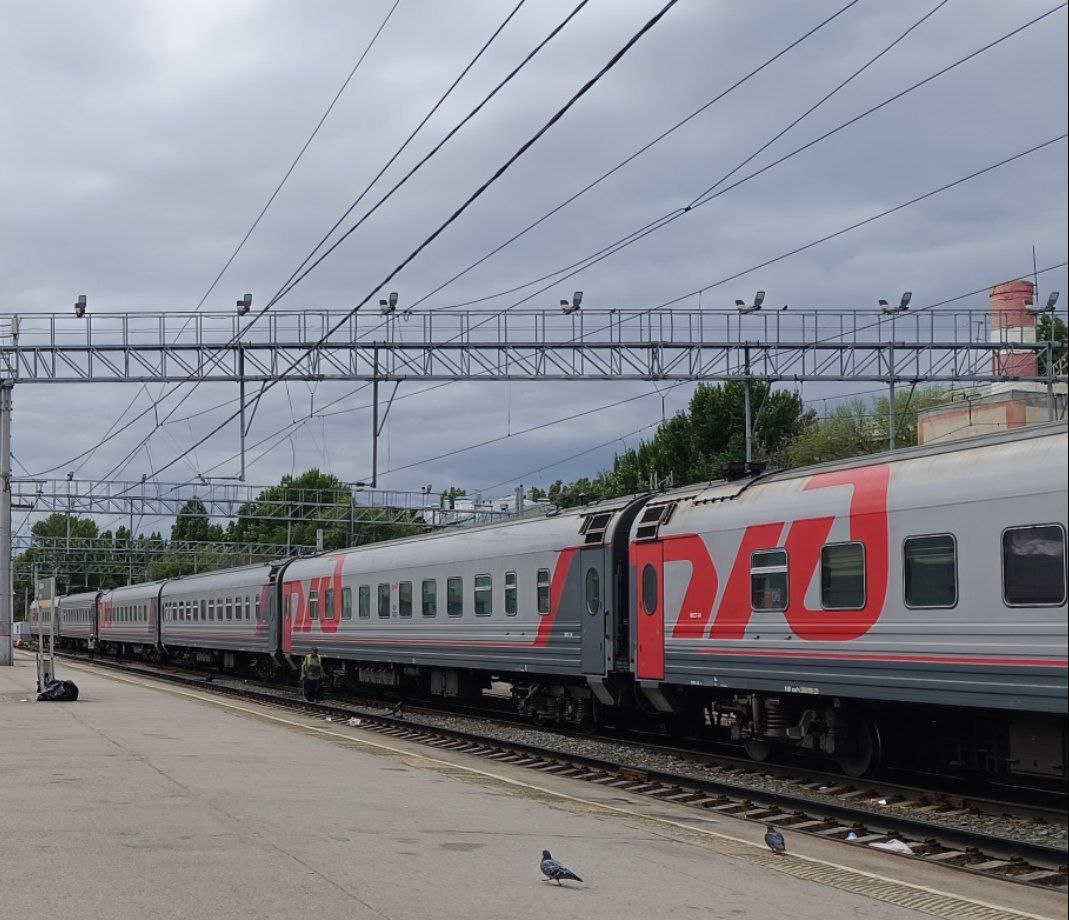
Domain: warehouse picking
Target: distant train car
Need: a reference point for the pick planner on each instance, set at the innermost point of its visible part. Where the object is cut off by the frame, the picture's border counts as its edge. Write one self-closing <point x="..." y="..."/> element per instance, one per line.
<point x="532" y="601"/>
<point x="128" y="620"/>
<point x="828" y="606"/>
<point x="20" y="633"/>
<point x="41" y="621"/>
<point x="228" y="618"/>
<point x="77" y="619"/>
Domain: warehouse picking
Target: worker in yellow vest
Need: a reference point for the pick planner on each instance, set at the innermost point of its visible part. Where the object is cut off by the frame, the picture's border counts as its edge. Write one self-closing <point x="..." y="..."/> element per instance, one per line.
<point x="91" y="647"/>
<point x="312" y="676"/>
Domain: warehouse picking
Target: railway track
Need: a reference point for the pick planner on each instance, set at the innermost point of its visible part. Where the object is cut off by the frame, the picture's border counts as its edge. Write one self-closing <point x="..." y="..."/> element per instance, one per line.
<point x="841" y="815"/>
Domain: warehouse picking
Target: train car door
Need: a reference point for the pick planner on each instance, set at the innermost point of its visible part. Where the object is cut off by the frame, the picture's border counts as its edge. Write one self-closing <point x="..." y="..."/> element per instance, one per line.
<point x="649" y="610"/>
<point x="596" y="602"/>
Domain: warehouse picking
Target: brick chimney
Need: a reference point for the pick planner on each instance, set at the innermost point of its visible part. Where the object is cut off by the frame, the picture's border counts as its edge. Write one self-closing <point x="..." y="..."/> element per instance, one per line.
<point x="1011" y="322"/>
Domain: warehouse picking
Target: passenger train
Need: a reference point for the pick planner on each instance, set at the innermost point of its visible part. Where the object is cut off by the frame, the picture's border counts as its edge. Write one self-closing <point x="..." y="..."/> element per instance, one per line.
<point x="915" y="599"/>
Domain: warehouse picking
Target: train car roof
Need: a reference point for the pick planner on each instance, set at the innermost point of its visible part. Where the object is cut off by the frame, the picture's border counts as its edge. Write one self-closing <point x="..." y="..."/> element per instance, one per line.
<point x="244" y="574"/>
<point x="721" y="489"/>
<point x="143" y="589"/>
<point x="79" y="598"/>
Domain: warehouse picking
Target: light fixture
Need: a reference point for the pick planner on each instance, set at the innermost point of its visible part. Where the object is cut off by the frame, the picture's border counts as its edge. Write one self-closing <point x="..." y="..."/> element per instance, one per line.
<point x="1049" y="308"/>
<point x="744" y="308"/>
<point x="80" y="306"/>
<point x="903" y="305"/>
<point x="244" y="305"/>
<point x="572" y="306"/>
<point x="386" y="307"/>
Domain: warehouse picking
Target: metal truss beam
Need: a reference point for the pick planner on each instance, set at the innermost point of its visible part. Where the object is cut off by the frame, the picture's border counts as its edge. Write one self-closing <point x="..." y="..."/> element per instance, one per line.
<point x="81" y="557"/>
<point x="349" y="505"/>
<point x="804" y="346"/>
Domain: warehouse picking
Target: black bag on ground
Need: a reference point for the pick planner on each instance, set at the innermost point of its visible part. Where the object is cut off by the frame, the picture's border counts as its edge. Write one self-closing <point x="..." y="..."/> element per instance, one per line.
<point x="59" y="691"/>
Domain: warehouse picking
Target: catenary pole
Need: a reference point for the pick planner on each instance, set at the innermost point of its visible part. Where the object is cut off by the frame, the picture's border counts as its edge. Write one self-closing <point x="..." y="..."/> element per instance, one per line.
<point x="7" y="595"/>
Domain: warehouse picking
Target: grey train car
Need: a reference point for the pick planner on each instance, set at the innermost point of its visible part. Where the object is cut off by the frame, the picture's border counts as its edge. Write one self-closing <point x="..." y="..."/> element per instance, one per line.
<point x="77" y="619"/>
<point x="916" y="598"/>
<point x="128" y="620"/>
<point x="534" y="602"/>
<point x="825" y="607"/>
<point x="227" y="617"/>
<point x="41" y="621"/>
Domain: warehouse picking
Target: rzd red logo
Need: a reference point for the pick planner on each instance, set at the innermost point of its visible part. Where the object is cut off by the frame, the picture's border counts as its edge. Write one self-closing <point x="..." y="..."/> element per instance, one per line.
<point x="805" y="538"/>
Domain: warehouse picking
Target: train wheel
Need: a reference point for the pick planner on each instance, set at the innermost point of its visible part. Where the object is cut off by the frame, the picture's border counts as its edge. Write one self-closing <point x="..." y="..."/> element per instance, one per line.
<point x="865" y="759"/>
<point x="758" y="750"/>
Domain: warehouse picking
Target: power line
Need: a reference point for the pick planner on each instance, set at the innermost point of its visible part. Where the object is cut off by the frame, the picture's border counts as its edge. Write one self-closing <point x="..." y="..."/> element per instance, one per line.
<point x="302" y="271"/>
<point x="710" y="194"/>
<point x="641" y="150"/>
<point x="252" y="227"/>
<point x="474" y="196"/>
<point x="300" y="153"/>
<point x="403" y="146"/>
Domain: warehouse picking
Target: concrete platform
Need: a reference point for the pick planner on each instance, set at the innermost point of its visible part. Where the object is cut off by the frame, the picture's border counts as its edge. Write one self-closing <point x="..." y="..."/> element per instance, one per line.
<point x="144" y="802"/>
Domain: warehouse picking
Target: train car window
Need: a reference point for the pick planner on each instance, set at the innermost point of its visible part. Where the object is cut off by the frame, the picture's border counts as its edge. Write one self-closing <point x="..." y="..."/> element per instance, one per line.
<point x="543" y="591"/>
<point x="203" y="609"/>
<point x="429" y="597"/>
<point x="404" y="598"/>
<point x="313" y="605"/>
<point x="484" y="595"/>
<point x="592" y="590"/>
<point x="1033" y="566"/>
<point x="346" y="603"/>
<point x="211" y="609"/>
<point x="454" y="596"/>
<point x="365" y="602"/>
<point x="257" y="613"/>
<point x="328" y="607"/>
<point x="196" y="610"/>
<point x="649" y="589"/>
<point x="384" y="601"/>
<point x="229" y="608"/>
<point x="930" y="570"/>
<point x="769" y="584"/>
<point x="511" y="595"/>
<point x="842" y="576"/>
<point x="248" y="607"/>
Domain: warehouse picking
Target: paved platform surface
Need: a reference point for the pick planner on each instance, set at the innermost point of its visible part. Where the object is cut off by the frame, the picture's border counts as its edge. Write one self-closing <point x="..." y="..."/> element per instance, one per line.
<point x="142" y="803"/>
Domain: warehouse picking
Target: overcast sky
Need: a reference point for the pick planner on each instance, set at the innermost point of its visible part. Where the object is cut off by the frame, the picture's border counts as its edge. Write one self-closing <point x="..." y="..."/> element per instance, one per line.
<point x="140" y="139"/>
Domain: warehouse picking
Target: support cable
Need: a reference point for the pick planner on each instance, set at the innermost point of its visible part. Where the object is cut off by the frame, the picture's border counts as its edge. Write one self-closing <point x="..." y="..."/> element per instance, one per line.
<point x="474" y="196"/>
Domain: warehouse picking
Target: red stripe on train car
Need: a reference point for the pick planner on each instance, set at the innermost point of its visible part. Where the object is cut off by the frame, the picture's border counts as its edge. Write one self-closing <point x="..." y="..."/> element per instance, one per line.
<point x="923" y="659"/>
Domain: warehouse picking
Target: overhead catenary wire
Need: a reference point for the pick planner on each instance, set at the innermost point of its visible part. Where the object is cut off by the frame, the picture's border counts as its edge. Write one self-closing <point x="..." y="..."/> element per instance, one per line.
<point x="302" y="271"/>
<point x="715" y="191"/>
<point x="639" y="152"/>
<point x="455" y="215"/>
<point x="270" y="200"/>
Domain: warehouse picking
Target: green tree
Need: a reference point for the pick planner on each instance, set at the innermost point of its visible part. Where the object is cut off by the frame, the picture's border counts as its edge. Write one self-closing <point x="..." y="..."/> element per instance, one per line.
<point x="192" y="523"/>
<point x="1052" y="329"/>
<point x="857" y="427"/>
<point x="291" y="513"/>
<point x="698" y="443"/>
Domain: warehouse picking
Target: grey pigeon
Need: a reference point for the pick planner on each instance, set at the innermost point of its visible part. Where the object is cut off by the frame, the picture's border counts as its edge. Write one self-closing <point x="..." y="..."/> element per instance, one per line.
<point x="554" y="871"/>
<point x="775" y="841"/>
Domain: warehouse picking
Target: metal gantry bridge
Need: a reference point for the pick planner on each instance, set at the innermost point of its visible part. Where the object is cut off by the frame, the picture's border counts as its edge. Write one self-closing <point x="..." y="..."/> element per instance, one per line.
<point x="785" y="344"/>
<point x="774" y="345"/>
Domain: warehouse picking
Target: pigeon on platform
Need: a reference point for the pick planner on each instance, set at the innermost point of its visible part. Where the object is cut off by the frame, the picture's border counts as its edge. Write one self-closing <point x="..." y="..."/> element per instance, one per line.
<point x="554" y="871"/>
<point x="775" y="841"/>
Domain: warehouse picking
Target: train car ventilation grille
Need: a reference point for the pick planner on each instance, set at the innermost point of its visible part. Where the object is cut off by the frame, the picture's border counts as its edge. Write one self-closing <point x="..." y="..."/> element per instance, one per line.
<point x="652" y="518"/>
<point x="594" y="527"/>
